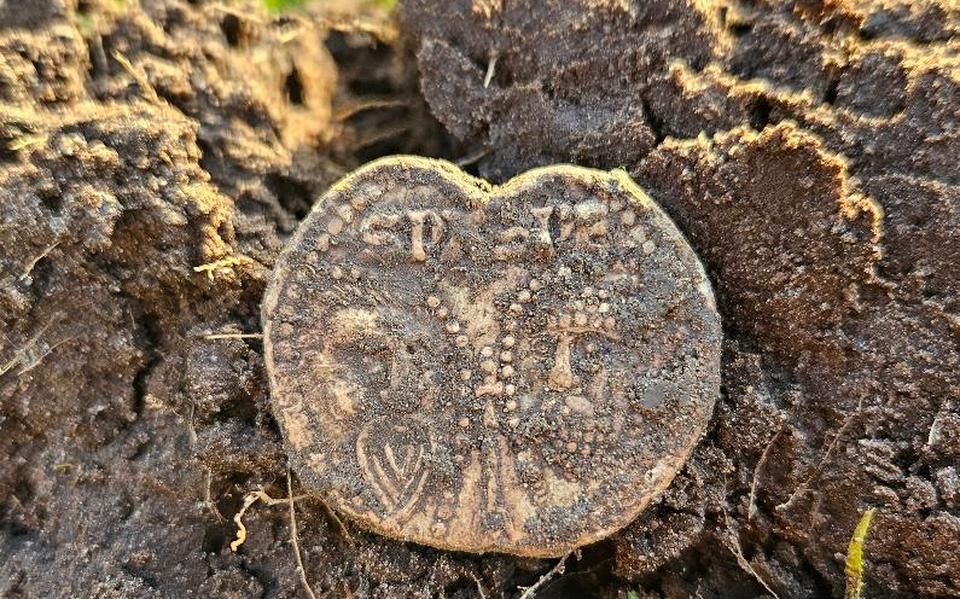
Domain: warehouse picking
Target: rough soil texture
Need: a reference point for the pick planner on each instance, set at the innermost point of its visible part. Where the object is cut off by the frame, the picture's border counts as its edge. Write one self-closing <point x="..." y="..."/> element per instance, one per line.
<point x="518" y="369"/>
<point x="808" y="150"/>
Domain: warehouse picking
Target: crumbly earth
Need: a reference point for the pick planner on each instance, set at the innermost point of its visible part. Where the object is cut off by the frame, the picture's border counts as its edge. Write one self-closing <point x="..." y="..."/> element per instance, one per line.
<point x="518" y="369"/>
<point x="807" y="149"/>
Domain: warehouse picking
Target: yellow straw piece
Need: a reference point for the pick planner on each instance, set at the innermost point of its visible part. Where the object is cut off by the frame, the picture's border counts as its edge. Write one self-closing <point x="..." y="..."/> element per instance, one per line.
<point x="854" y="569"/>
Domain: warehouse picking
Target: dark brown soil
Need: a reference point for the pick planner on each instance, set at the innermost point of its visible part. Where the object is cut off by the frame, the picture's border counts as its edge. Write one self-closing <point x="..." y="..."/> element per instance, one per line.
<point x="808" y="150"/>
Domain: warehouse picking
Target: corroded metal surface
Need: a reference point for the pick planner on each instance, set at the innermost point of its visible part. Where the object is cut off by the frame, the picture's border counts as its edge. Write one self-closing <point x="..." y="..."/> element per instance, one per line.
<point x="518" y="369"/>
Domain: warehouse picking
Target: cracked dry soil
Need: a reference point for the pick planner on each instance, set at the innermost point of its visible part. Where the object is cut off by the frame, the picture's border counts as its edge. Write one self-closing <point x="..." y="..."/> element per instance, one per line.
<point x="807" y="149"/>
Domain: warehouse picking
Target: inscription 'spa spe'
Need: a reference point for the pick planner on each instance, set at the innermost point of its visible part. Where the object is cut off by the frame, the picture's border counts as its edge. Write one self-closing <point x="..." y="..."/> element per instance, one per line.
<point x="518" y="369"/>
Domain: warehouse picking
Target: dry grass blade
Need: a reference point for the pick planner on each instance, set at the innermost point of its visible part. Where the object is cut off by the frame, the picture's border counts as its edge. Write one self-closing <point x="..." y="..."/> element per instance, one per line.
<point x="369" y="104"/>
<point x="215" y="336"/>
<point x="26" y="356"/>
<point x="483" y="594"/>
<point x="491" y="69"/>
<point x="733" y="543"/>
<point x="146" y="88"/>
<point x="295" y="538"/>
<point x="752" y="506"/>
<point x="799" y="491"/>
<point x="26" y="141"/>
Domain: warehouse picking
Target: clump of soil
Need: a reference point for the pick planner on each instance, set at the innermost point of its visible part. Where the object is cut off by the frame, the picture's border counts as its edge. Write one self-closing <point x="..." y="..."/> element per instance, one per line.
<point x="155" y="155"/>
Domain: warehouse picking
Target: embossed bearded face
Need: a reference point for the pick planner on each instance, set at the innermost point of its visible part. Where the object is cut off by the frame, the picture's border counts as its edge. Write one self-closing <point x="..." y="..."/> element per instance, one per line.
<point x="387" y="348"/>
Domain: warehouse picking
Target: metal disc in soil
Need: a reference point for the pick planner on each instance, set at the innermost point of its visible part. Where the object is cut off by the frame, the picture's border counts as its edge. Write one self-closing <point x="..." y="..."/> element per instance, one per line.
<point x="519" y="369"/>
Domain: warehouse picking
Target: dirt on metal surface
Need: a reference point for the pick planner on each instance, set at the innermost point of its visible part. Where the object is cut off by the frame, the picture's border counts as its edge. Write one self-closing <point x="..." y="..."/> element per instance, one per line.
<point x="519" y="369"/>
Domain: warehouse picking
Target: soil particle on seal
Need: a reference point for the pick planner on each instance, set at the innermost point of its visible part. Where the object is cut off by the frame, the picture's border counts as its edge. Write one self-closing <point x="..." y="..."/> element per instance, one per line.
<point x="519" y="369"/>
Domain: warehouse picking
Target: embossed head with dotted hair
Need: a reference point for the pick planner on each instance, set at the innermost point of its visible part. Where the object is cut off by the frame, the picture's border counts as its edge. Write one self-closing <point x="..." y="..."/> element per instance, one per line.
<point x="519" y="368"/>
